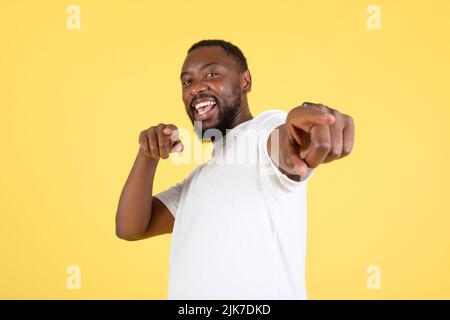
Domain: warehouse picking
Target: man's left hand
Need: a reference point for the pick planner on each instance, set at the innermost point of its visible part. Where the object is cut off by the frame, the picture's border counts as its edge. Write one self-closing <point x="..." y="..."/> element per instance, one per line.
<point x="314" y="134"/>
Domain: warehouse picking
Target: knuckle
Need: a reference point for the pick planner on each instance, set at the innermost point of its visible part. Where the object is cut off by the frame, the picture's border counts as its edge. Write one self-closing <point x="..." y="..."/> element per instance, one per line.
<point x="322" y="146"/>
<point x="143" y="134"/>
<point x="337" y="114"/>
<point x="350" y="120"/>
<point x="143" y="137"/>
<point x="147" y="132"/>
<point x="346" y="152"/>
<point x="312" y="165"/>
<point x="335" y="153"/>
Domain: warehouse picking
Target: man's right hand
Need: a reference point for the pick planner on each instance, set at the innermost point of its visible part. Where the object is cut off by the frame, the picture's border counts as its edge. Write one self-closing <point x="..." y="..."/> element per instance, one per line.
<point x="158" y="141"/>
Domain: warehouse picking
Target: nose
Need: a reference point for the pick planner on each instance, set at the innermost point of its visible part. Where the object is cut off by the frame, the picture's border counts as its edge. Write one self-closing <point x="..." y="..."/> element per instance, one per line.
<point x="198" y="87"/>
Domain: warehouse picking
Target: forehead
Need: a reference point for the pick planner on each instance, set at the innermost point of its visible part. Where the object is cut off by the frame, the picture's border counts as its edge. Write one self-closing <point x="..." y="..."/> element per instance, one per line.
<point x="204" y="55"/>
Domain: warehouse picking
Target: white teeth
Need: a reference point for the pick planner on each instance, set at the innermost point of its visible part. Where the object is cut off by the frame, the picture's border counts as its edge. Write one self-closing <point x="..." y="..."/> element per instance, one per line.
<point x="203" y="104"/>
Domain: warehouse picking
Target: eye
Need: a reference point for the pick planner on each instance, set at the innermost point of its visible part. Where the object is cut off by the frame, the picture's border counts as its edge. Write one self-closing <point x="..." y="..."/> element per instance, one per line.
<point x="211" y="74"/>
<point x="186" y="82"/>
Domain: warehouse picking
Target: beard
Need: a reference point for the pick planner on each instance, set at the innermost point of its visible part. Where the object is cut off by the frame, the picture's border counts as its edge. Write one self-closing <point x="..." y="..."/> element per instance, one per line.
<point x="227" y="114"/>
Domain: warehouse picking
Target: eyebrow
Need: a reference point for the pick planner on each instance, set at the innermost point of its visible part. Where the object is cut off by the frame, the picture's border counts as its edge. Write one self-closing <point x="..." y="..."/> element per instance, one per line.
<point x="203" y="67"/>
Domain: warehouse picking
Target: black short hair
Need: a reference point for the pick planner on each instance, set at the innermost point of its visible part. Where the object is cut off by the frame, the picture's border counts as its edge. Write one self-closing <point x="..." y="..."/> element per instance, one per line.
<point x="229" y="48"/>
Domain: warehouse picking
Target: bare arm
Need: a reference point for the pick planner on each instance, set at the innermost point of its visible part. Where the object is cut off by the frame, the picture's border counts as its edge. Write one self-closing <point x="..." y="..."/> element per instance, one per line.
<point x="139" y="214"/>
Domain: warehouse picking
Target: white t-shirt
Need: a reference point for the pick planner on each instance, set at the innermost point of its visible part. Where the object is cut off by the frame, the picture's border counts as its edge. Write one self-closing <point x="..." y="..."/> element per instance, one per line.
<point x="240" y="224"/>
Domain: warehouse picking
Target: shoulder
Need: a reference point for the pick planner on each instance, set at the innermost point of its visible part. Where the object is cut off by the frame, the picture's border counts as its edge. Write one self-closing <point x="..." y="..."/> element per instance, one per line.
<point x="269" y="117"/>
<point x="268" y="120"/>
<point x="271" y="113"/>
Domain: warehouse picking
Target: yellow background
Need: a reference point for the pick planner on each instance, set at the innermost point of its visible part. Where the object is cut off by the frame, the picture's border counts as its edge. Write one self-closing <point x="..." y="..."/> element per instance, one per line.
<point x="74" y="101"/>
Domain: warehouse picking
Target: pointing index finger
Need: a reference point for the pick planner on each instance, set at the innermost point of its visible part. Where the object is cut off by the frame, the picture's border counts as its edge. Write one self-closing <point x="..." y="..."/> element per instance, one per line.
<point x="309" y="115"/>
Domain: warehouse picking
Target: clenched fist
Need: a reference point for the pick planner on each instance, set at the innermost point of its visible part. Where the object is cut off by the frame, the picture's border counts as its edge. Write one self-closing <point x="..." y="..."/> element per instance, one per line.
<point x="158" y="141"/>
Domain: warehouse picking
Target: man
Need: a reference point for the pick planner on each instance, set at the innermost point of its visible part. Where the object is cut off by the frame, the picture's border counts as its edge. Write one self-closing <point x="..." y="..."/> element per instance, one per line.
<point x="239" y="227"/>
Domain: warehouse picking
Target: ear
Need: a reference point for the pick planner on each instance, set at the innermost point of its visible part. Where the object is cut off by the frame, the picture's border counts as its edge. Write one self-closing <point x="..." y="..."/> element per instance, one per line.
<point x="246" y="81"/>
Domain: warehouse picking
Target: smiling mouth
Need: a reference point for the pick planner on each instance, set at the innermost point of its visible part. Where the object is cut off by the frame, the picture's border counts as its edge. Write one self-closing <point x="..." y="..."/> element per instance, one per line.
<point x="203" y="109"/>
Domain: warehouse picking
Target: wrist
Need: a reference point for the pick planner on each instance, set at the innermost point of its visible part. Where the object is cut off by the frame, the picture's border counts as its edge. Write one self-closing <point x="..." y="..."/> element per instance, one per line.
<point x="146" y="156"/>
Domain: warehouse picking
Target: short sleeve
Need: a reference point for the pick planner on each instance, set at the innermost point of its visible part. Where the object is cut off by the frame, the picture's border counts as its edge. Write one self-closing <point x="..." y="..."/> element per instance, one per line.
<point x="171" y="197"/>
<point x="268" y="121"/>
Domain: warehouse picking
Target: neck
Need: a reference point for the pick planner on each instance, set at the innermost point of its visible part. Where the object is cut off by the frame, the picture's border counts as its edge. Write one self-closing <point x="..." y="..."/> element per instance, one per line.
<point x="243" y="115"/>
